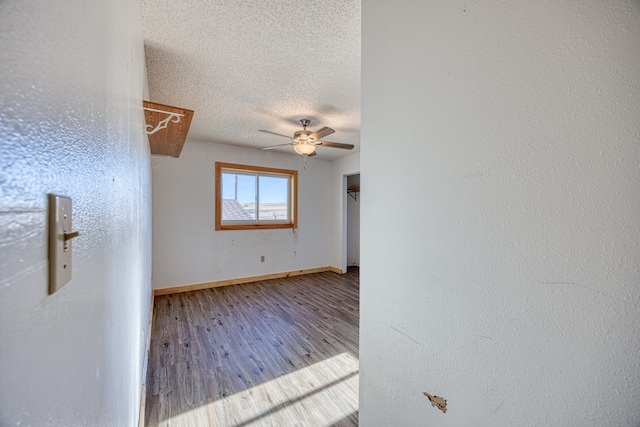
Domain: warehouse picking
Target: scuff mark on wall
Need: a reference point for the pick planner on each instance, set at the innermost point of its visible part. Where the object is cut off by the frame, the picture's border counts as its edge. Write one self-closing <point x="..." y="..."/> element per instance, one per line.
<point x="398" y="330"/>
<point x="546" y="282"/>
<point x="295" y="242"/>
<point x="485" y="337"/>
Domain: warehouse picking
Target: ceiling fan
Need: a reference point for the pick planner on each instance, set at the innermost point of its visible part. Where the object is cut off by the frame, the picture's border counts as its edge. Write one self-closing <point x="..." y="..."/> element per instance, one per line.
<point x="305" y="142"/>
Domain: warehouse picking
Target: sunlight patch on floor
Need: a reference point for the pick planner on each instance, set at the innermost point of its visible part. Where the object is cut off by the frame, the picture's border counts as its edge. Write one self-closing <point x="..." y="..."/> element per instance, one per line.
<point x="318" y="395"/>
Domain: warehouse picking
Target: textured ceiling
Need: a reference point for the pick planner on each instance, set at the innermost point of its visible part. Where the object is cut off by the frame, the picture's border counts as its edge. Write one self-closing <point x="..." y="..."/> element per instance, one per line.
<point x="249" y="65"/>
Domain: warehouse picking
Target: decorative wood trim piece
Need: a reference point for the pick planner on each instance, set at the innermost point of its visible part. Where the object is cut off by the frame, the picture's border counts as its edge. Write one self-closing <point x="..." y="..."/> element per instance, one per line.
<point x="208" y="285"/>
<point x="254" y="226"/>
<point x="143" y="396"/>
<point x="167" y="127"/>
<point x="149" y="331"/>
<point x="336" y="270"/>
<point x="143" y="402"/>
<point x="251" y="168"/>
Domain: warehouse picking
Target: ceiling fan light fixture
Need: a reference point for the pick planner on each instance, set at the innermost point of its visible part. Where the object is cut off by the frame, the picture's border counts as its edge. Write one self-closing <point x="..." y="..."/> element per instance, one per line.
<point x="305" y="142"/>
<point x="304" y="149"/>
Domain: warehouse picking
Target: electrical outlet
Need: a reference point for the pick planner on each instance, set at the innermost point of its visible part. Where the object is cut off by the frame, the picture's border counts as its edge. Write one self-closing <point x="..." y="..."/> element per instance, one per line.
<point x="261" y="258"/>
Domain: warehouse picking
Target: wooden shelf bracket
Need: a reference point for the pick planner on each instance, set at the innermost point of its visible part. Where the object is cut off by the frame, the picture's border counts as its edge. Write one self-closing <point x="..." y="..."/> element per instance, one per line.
<point x="172" y="117"/>
<point x="166" y="127"/>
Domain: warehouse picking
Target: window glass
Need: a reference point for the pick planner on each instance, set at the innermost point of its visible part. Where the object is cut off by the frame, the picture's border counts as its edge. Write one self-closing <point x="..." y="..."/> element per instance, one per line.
<point x="274" y="193"/>
<point x="239" y="196"/>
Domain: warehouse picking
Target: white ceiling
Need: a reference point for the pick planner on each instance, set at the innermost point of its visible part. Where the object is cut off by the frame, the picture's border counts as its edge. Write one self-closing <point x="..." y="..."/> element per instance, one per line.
<point x="264" y="64"/>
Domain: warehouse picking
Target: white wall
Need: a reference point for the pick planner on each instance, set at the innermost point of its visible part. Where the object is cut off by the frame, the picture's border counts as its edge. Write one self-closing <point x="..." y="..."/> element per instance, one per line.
<point x="71" y="123"/>
<point x="501" y="235"/>
<point x="186" y="247"/>
<point x="341" y="168"/>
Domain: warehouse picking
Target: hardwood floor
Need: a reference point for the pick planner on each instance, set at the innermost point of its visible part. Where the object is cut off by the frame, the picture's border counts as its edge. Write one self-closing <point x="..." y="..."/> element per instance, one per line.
<point x="281" y="352"/>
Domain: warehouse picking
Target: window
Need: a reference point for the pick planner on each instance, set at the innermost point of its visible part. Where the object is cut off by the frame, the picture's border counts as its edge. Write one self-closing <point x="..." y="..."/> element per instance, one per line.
<point x="253" y="197"/>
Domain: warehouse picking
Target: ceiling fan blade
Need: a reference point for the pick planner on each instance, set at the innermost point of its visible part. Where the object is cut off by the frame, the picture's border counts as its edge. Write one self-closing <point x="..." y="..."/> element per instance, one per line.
<point x="321" y="133"/>
<point x="335" y="145"/>
<point x="279" y="145"/>
<point x="273" y="133"/>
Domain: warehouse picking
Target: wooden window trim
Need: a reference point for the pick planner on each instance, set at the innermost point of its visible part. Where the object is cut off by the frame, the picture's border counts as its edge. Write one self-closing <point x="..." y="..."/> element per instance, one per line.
<point x="256" y="169"/>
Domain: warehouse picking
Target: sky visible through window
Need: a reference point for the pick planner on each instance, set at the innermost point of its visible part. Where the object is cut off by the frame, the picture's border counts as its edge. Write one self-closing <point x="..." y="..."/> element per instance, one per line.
<point x="273" y="189"/>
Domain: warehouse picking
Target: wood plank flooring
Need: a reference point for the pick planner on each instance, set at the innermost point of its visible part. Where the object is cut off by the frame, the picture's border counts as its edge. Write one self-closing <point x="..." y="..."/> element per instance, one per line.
<point x="281" y="352"/>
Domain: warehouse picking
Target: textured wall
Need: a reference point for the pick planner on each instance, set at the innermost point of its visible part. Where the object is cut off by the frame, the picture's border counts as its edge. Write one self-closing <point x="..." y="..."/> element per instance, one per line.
<point x="71" y="124"/>
<point x="186" y="247"/>
<point x="500" y="250"/>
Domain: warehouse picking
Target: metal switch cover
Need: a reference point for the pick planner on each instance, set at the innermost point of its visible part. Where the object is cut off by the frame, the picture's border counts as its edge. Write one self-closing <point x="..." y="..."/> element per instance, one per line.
<point x="60" y="235"/>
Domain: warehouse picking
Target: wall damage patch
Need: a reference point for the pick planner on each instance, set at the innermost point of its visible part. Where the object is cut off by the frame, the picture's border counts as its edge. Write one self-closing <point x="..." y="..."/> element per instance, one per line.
<point x="437" y="401"/>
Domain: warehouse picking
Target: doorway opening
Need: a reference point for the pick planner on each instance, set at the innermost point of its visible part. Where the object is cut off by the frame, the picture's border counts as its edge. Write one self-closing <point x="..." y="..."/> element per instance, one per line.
<point x="353" y="221"/>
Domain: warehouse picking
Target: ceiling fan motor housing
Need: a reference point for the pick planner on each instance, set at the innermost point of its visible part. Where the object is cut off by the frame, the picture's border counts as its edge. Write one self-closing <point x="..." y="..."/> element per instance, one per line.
<point x="302" y="136"/>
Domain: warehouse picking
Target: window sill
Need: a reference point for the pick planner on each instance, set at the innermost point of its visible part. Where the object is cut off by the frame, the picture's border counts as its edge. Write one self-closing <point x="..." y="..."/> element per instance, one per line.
<point x="253" y="226"/>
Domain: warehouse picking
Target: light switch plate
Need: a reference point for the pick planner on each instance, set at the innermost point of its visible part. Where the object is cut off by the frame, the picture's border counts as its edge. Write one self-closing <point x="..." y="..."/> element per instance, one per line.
<point x="59" y="244"/>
